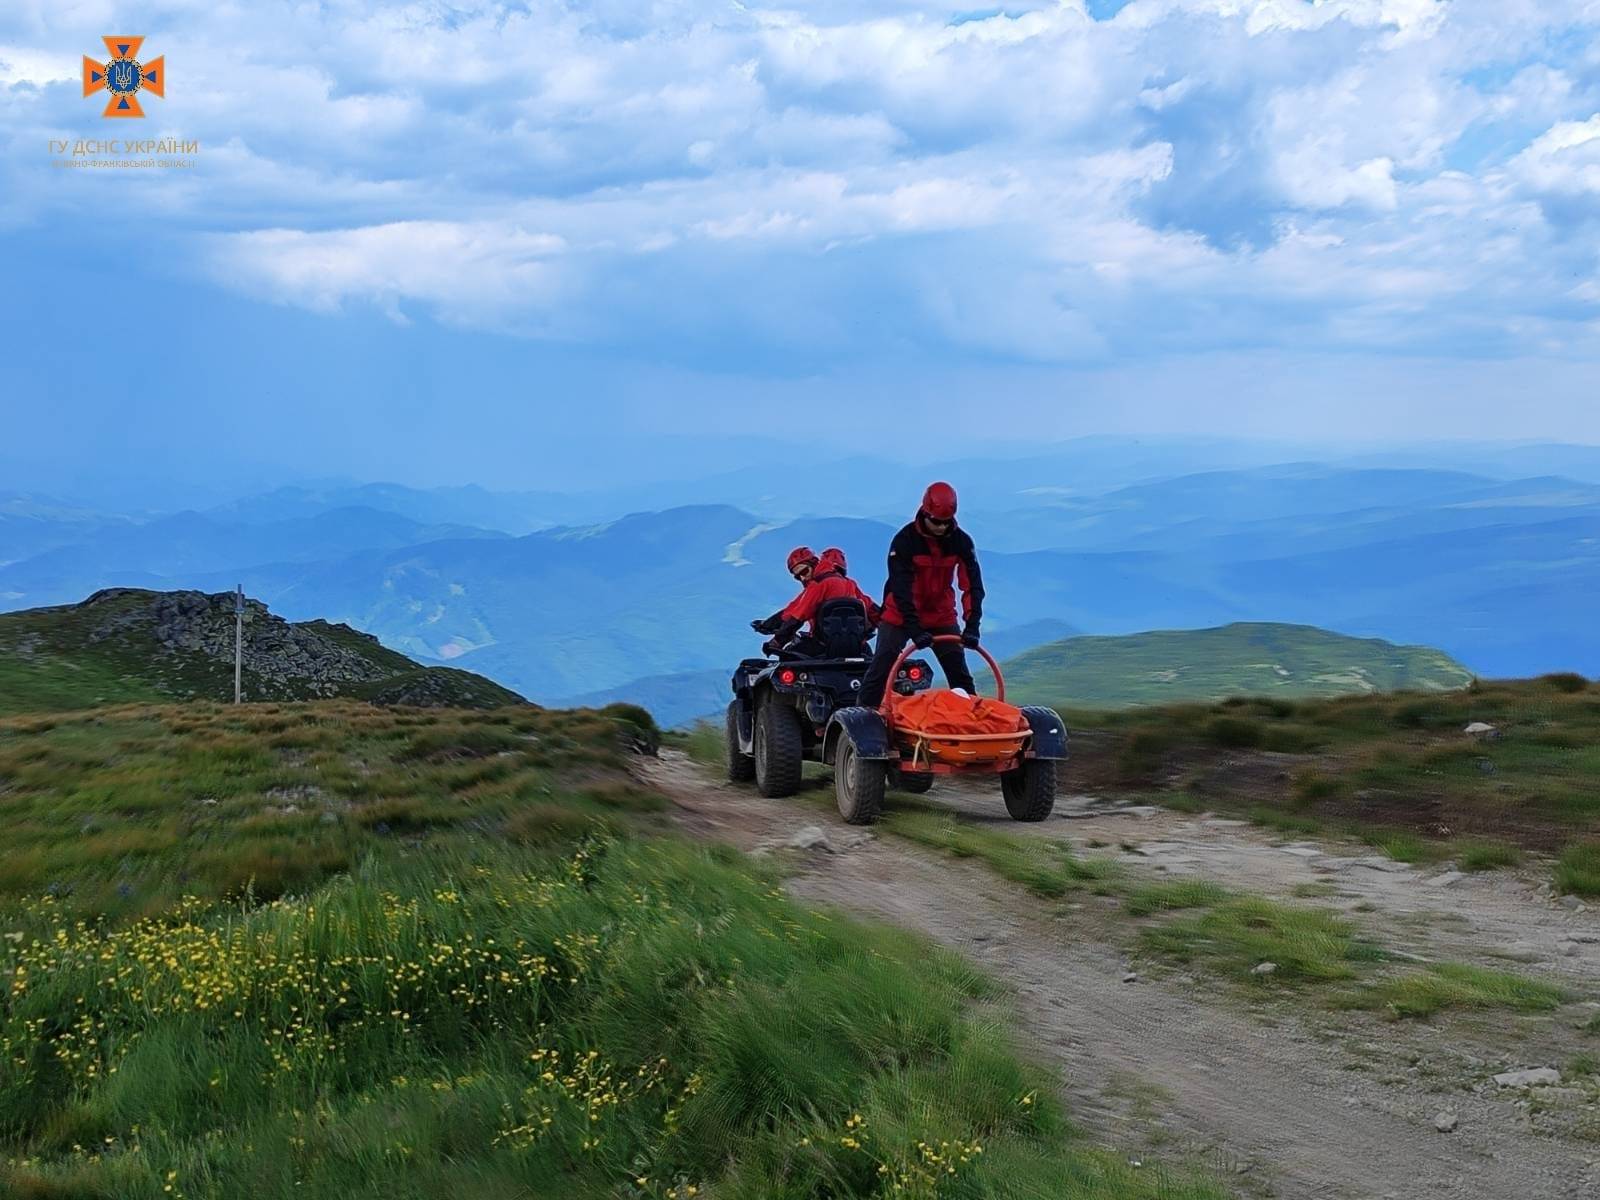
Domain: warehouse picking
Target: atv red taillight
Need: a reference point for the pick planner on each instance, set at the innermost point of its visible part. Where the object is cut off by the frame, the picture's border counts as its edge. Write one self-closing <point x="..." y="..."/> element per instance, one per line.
<point x="786" y="676"/>
<point x="914" y="673"/>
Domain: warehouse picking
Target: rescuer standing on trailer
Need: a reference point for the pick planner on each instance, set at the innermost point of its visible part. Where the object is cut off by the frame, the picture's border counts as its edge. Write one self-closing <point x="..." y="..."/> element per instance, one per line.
<point x="928" y="559"/>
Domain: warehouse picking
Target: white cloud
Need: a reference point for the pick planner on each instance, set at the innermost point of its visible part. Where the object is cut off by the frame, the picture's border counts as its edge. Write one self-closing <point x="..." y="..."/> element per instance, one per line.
<point x="1565" y="158"/>
<point x="1035" y="183"/>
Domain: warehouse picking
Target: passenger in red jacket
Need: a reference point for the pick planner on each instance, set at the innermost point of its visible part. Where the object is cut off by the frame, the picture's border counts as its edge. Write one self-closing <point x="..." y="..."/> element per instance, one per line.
<point x="830" y="582"/>
<point x="802" y="565"/>
<point x="928" y="559"/>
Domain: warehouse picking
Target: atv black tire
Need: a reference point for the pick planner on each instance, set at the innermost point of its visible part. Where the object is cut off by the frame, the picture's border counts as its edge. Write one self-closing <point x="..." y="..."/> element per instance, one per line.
<point x="779" y="750"/>
<point x="859" y="783"/>
<point x="1030" y="790"/>
<point x="915" y="782"/>
<point x="741" y="766"/>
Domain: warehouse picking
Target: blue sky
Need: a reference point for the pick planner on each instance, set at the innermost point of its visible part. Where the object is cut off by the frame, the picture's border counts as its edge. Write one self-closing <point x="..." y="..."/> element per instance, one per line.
<point x="443" y="242"/>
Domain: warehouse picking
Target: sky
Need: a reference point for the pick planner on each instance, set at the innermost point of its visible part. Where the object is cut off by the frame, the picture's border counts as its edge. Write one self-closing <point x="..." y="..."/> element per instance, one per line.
<point x="534" y="245"/>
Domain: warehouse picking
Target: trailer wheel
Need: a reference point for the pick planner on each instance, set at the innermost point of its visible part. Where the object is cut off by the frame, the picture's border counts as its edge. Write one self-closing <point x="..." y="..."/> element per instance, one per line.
<point x="858" y="783"/>
<point x="915" y="782"/>
<point x="741" y="766"/>
<point x="1030" y="790"/>
<point x="779" y="749"/>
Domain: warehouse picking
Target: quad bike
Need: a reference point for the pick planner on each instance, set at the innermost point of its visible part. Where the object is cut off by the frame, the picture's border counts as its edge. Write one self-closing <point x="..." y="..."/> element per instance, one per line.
<point x="781" y="709"/>
<point x="868" y="746"/>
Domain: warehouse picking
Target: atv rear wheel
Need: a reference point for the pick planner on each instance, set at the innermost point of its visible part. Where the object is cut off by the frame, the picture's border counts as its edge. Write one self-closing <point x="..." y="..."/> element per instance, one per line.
<point x="741" y="766"/>
<point x="858" y="783"/>
<point x="779" y="749"/>
<point x="915" y="782"/>
<point x="1030" y="790"/>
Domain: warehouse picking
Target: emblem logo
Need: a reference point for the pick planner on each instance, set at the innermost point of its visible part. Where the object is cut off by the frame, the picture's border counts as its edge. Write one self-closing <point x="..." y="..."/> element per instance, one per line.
<point x="123" y="77"/>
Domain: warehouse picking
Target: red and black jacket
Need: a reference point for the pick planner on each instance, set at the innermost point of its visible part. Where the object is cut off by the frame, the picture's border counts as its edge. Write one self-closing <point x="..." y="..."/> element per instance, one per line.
<point x="924" y="572"/>
<point x="829" y="583"/>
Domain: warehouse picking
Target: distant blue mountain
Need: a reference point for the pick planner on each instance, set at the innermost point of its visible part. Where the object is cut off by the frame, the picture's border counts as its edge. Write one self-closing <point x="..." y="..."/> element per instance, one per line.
<point x="1498" y="572"/>
<point x="191" y="545"/>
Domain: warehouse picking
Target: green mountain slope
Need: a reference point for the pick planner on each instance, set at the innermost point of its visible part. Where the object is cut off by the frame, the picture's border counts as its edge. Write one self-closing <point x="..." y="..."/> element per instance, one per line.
<point x="128" y="644"/>
<point x="1244" y="659"/>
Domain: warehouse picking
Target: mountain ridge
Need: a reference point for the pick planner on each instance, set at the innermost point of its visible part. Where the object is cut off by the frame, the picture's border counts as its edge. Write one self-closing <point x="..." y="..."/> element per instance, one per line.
<point x="134" y="644"/>
<point x="1243" y="658"/>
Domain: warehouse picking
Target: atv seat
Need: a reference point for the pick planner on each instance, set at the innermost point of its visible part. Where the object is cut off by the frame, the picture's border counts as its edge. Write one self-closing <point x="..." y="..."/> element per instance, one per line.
<point x="841" y="628"/>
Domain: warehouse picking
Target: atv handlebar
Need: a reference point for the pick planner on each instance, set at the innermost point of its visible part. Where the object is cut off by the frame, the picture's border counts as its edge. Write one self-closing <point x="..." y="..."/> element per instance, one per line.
<point x="911" y="648"/>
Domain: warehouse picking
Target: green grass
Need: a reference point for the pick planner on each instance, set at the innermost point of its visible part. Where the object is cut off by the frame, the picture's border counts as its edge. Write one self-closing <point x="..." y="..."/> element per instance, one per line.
<point x="120" y="812"/>
<point x="1284" y="821"/>
<point x="1315" y="890"/>
<point x="1044" y="866"/>
<point x="1373" y="763"/>
<point x="1578" y="871"/>
<point x="107" y="651"/>
<point x="485" y="976"/>
<point x="1580" y="1065"/>
<point x="1141" y="900"/>
<point x="1238" y="934"/>
<point x="1456" y="985"/>
<point x="1405" y="847"/>
<point x="704" y="743"/>
<point x="1487" y="856"/>
<point x="1283" y="662"/>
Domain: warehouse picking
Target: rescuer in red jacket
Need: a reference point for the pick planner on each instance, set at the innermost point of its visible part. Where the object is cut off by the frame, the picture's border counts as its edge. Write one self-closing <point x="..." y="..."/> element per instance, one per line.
<point x="802" y="563"/>
<point x="928" y="559"/>
<point x="830" y="582"/>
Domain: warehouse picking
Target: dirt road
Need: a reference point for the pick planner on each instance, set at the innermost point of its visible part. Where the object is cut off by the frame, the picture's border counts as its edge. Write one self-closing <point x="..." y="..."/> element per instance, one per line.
<point x="1280" y="1097"/>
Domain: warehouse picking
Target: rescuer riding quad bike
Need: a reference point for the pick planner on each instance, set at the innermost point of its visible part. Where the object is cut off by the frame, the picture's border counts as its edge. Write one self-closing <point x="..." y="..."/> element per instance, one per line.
<point x="782" y="706"/>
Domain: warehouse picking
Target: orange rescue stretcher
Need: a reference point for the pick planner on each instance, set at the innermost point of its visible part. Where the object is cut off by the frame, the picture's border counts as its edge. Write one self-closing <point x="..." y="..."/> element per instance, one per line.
<point x="941" y="731"/>
<point x="908" y="740"/>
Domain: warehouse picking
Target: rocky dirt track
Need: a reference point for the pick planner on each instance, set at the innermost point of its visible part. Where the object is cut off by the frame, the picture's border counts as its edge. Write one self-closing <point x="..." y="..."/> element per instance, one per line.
<point x="1279" y="1096"/>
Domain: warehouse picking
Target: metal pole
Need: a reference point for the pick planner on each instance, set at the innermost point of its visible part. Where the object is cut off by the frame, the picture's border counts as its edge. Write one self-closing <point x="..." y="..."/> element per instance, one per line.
<point x="238" y="642"/>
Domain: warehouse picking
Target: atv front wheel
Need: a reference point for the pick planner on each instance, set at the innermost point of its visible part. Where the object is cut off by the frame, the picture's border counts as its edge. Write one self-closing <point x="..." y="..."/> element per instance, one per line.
<point x="858" y="783"/>
<point x="1030" y="790"/>
<point x="779" y="747"/>
<point x="741" y="766"/>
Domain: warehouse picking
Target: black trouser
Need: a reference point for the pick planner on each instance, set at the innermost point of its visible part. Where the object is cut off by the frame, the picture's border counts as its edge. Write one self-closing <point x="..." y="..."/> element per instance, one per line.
<point x="891" y="640"/>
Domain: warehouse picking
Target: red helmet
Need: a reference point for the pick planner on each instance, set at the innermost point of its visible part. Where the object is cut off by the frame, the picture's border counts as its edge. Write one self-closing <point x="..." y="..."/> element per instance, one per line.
<point x="801" y="554"/>
<point x="833" y="558"/>
<point x="939" y="501"/>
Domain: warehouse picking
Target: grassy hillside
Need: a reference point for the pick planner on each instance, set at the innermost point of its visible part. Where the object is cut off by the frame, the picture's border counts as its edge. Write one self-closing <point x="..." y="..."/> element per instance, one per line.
<point x="1244" y="659"/>
<point x="1399" y="769"/>
<point x="325" y="950"/>
<point x="129" y="645"/>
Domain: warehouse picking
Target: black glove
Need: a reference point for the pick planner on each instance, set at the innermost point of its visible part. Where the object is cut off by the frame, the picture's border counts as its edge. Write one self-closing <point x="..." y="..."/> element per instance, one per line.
<point x="765" y="625"/>
<point x="969" y="637"/>
<point x="922" y="639"/>
<point x="770" y="646"/>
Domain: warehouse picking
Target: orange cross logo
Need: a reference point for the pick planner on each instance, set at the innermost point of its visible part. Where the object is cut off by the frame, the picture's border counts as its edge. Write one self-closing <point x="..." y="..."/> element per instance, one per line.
<point x="123" y="76"/>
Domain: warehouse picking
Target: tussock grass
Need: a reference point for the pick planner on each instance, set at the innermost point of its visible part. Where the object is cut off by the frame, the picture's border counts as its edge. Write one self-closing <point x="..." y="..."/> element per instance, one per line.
<point x="1405" y="847"/>
<point x="520" y="995"/>
<point x="1456" y="985"/>
<point x="703" y="743"/>
<point x="1236" y="935"/>
<point x="120" y="812"/>
<point x="1044" y="866"/>
<point x="1143" y="899"/>
<point x="1284" y="821"/>
<point x="1487" y="856"/>
<point x="1398" y="762"/>
<point x="1578" y="870"/>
